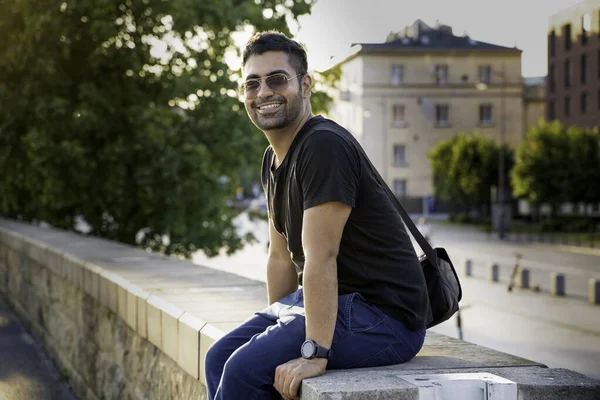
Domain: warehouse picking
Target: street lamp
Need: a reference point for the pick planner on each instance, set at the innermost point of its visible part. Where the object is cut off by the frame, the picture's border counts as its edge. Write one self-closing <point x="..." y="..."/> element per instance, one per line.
<point x="501" y="175"/>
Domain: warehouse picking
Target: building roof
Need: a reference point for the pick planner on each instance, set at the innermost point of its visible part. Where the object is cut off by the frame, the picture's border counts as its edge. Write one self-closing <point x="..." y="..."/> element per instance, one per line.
<point x="420" y="37"/>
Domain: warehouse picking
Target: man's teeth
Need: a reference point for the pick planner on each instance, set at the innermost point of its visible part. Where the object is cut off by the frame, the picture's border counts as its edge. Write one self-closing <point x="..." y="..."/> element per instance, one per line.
<point x="267" y="106"/>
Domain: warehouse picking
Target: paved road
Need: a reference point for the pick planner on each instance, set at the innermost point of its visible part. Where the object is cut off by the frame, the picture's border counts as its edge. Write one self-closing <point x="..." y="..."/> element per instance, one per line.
<point x="559" y="332"/>
<point x="26" y="373"/>
<point x="541" y="260"/>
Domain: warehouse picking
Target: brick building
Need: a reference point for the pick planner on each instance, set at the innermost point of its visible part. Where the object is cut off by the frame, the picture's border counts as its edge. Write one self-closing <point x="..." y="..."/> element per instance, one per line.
<point x="573" y="84"/>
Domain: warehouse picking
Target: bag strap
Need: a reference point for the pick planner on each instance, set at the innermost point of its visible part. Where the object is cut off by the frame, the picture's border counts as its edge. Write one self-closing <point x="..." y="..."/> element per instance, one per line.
<point x="425" y="246"/>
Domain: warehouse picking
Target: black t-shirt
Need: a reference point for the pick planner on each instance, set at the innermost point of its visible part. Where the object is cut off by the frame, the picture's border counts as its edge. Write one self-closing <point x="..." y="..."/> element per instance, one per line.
<point x="376" y="257"/>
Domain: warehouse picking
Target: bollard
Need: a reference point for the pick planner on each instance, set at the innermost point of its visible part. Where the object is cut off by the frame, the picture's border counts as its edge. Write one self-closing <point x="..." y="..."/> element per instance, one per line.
<point x="524" y="279"/>
<point x="493" y="272"/>
<point x="557" y="284"/>
<point x="468" y="267"/>
<point x="594" y="286"/>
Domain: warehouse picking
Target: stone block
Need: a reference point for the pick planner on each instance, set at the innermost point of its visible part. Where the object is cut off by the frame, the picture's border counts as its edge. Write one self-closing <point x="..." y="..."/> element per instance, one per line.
<point x="189" y="344"/>
<point x="134" y="312"/>
<point x="142" y="315"/>
<point x="91" y="280"/>
<point x="122" y="291"/>
<point x="208" y="335"/>
<point x="108" y="291"/>
<point x="169" y="316"/>
<point x="54" y="263"/>
<point x="36" y="251"/>
<point x="11" y="239"/>
<point x="74" y="267"/>
<point x="153" y="307"/>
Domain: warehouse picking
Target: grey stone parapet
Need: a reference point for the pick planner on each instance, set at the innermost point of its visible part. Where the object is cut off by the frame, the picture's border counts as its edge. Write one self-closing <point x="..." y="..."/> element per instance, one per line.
<point x="124" y="323"/>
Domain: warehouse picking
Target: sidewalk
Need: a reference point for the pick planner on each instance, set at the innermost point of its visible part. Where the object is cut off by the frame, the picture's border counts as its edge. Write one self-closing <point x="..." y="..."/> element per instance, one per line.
<point x="26" y="373"/>
<point x="473" y="233"/>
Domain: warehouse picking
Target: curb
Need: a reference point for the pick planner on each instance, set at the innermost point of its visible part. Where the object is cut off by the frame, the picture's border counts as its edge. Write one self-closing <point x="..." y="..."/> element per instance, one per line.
<point x="570" y="249"/>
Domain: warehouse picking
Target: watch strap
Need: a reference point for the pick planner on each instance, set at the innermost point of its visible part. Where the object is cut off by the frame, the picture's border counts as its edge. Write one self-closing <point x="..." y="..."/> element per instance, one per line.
<point x="322" y="352"/>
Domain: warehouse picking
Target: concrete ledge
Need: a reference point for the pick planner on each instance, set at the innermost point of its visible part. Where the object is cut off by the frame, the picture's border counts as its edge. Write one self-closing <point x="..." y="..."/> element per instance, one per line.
<point x="533" y="383"/>
<point x="104" y="299"/>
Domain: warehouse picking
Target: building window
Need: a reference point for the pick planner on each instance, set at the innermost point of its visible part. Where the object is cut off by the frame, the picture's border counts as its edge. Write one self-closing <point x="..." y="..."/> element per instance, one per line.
<point x="400" y="187"/>
<point x="398" y="115"/>
<point x="485" y="114"/>
<point x="442" y="114"/>
<point x="397" y="74"/>
<point x="583" y="104"/>
<point x="584" y="69"/>
<point x="567" y="73"/>
<point x="552" y="44"/>
<point x="485" y="74"/>
<point x="552" y="76"/>
<point x="586" y="26"/>
<point x="567" y="36"/>
<point x="567" y="106"/>
<point x="551" y="110"/>
<point x="399" y="155"/>
<point x="441" y="74"/>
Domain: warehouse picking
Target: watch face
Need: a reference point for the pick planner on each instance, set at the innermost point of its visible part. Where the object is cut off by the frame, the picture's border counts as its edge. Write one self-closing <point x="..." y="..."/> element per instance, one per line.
<point x="308" y="349"/>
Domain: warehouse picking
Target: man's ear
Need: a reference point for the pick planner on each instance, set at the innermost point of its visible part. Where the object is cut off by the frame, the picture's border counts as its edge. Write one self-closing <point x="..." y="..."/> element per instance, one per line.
<point x="307" y="84"/>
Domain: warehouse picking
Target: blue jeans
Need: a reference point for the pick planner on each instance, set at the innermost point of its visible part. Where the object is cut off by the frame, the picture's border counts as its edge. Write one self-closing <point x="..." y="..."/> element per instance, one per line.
<point x="241" y="365"/>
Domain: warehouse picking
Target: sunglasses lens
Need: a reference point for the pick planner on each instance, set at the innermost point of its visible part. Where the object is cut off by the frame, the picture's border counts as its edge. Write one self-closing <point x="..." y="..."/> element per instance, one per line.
<point x="250" y="87"/>
<point x="277" y="82"/>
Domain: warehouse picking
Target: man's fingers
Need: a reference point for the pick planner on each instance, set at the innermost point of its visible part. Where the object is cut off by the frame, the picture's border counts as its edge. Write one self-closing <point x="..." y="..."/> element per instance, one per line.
<point x="277" y="383"/>
<point x="295" y="385"/>
<point x="287" y="377"/>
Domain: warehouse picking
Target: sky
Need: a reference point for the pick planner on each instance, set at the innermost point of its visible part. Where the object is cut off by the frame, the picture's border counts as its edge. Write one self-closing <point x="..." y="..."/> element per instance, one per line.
<point x="335" y="24"/>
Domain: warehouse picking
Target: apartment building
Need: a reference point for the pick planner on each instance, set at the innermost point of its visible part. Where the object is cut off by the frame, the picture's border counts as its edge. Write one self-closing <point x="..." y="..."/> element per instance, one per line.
<point x="423" y="85"/>
<point x="574" y="65"/>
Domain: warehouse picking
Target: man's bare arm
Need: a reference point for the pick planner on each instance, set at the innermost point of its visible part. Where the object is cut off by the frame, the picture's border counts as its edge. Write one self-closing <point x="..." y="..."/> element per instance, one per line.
<point x="322" y="230"/>
<point x="282" y="278"/>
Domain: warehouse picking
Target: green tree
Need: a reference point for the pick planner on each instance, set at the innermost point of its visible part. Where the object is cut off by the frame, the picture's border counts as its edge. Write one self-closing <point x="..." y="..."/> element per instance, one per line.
<point x="583" y="165"/>
<point x="541" y="173"/>
<point x="125" y="113"/>
<point x="465" y="168"/>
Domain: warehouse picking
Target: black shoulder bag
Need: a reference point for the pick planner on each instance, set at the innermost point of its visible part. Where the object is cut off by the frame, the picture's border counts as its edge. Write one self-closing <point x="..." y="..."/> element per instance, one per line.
<point x="443" y="287"/>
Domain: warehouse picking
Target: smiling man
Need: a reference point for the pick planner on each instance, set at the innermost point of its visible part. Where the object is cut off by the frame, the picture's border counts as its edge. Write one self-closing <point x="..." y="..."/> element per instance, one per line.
<point x="333" y="230"/>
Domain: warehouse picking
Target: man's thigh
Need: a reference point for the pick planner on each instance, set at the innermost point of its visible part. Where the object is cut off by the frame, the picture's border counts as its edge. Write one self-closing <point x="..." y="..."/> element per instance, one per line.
<point x="366" y="337"/>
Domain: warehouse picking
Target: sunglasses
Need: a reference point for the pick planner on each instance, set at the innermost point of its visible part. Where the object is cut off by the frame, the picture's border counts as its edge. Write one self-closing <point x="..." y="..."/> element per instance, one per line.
<point x="276" y="82"/>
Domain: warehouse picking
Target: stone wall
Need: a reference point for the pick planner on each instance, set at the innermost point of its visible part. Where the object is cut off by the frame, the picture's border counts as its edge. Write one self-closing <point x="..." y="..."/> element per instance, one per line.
<point x="57" y="296"/>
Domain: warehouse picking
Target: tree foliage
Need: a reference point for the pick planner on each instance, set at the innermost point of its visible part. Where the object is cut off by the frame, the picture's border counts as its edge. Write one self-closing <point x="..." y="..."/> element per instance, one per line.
<point x="556" y="165"/>
<point x="125" y="114"/>
<point x="465" y="168"/>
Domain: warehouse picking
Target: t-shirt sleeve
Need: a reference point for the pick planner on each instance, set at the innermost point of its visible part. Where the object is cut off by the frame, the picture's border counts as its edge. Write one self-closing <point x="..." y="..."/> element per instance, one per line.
<point x="328" y="170"/>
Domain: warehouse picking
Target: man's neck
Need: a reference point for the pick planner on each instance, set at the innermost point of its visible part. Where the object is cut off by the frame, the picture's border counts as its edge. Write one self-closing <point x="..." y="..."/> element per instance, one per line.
<point x="281" y="140"/>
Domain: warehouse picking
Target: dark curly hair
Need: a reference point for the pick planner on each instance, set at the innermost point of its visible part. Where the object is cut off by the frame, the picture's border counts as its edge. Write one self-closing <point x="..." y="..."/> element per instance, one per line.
<point x="276" y="41"/>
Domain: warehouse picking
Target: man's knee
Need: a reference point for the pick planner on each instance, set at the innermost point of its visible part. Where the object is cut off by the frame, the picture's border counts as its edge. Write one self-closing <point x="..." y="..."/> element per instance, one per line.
<point x="216" y="355"/>
<point x="242" y="366"/>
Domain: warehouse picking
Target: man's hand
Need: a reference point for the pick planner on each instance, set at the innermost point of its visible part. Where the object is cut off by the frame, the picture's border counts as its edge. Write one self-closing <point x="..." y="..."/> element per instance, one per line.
<point x="289" y="376"/>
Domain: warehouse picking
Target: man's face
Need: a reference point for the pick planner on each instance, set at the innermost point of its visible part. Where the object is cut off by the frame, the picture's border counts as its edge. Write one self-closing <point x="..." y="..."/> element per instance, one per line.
<point x="269" y="109"/>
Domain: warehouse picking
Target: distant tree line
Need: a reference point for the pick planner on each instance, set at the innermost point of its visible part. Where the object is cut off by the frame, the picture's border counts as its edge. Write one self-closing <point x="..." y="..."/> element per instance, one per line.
<point x="553" y="165"/>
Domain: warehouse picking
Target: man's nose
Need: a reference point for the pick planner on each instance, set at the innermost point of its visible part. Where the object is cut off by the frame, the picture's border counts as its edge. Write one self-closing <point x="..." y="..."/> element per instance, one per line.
<point x="264" y="90"/>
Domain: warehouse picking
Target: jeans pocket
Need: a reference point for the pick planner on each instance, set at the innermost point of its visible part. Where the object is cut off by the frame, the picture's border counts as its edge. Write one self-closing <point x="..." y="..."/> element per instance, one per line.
<point x="387" y="356"/>
<point x="362" y="316"/>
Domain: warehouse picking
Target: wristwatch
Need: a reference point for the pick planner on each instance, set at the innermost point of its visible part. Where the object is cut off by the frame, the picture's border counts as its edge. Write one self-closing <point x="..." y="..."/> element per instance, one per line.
<point x="310" y="349"/>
